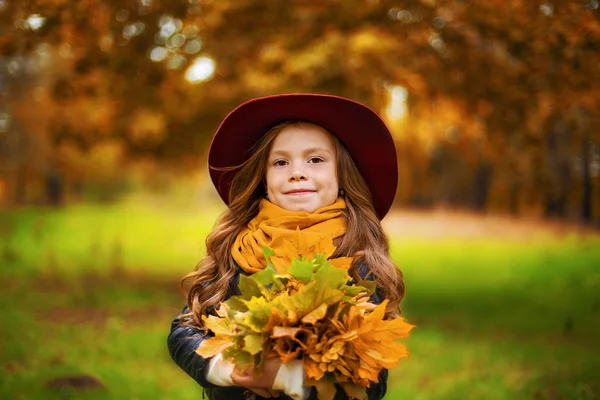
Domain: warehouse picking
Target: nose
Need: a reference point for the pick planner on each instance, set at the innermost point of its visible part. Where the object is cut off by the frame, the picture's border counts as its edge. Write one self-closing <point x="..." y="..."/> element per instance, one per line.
<point x="297" y="175"/>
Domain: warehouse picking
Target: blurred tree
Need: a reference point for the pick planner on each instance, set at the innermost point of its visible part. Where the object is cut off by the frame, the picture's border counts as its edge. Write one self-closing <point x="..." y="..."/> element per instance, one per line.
<point x="500" y="95"/>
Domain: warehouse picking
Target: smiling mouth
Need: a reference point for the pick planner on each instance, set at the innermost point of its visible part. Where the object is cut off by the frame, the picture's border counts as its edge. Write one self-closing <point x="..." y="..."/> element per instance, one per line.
<point x="300" y="192"/>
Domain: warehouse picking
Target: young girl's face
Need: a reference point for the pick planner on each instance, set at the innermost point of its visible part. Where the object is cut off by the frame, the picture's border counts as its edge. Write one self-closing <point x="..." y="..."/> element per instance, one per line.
<point x="301" y="170"/>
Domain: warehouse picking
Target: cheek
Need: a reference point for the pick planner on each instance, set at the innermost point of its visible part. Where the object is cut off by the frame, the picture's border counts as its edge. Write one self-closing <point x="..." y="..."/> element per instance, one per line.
<point x="335" y="190"/>
<point x="334" y="179"/>
<point x="271" y="180"/>
<point x="331" y="181"/>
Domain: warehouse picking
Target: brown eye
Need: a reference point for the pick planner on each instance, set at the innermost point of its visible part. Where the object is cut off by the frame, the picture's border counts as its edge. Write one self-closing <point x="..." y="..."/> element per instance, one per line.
<point x="315" y="160"/>
<point x="279" y="163"/>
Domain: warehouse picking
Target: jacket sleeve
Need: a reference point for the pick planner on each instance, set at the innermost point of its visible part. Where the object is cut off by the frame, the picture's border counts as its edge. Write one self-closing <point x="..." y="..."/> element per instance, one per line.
<point x="184" y="340"/>
<point x="182" y="343"/>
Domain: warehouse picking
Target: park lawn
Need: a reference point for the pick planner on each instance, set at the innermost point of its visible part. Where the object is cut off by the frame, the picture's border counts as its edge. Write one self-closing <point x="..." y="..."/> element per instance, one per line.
<point x="92" y="290"/>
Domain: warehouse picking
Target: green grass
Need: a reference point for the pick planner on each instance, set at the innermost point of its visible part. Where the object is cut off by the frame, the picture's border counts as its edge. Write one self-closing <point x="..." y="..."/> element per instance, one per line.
<point x="500" y="320"/>
<point x="92" y="290"/>
<point x="145" y="238"/>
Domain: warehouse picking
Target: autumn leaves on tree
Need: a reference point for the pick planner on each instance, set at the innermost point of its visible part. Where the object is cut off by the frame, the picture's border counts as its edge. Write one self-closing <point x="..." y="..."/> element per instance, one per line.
<point x="500" y="97"/>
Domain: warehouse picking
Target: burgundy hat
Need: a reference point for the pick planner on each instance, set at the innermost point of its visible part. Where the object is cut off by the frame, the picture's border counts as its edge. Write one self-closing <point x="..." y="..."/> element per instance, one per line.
<point x="359" y="128"/>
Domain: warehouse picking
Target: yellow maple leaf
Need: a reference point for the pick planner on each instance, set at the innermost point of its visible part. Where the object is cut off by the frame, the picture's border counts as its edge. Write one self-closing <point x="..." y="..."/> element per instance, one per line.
<point x="219" y="326"/>
<point x="325" y="387"/>
<point x="303" y="244"/>
<point x="283" y="331"/>
<point x="315" y="315"/>
<point x="213" y="346"/>
<point x="354" y="391"/>
<point x="341" y="262"/>
<point x="287" y="348"/>
<point x="358" y="346"/>
<point x="312" y="369"/>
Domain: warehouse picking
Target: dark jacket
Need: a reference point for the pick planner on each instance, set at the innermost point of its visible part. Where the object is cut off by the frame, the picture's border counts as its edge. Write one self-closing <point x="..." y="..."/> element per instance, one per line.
<point x="183" y="341"/>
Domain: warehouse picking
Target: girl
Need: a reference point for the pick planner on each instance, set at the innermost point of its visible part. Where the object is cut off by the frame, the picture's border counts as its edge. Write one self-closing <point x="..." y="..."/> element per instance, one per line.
<point x="323" y="164"/>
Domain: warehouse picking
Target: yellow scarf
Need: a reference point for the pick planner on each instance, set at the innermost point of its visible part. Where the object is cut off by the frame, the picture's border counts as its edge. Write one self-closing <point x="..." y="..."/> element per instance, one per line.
<point x="288" y="234"/>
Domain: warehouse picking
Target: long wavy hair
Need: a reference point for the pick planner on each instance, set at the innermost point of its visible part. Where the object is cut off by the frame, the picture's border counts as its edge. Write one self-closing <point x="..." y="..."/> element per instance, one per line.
<point x="364" y="239"/>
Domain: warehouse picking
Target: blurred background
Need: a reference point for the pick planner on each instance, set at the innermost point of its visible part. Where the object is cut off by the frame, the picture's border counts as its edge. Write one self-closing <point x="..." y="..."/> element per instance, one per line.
<point x="107" y="109"/>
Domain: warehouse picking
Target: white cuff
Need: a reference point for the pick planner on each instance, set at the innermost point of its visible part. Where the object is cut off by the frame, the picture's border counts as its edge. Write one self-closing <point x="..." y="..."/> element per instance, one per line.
<point x="219" y="371"/>
<point x="290" y="380"/>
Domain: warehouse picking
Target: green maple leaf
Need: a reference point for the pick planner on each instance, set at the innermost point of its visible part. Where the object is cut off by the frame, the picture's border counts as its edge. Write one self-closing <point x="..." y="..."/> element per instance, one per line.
<point x="235" y="304"/>
<point x="310" y="297"/>
<point x="331" y="276"/>
<point x="249" y="288"/>
<point x="302" y="269"/>
<point x="324" y="294"/>
<point x="319" y="261"/>
<point x="362" y="286"/>
<point x="268" y="253"/>
<point x="279" y="281"/>
<point x="265" y="277"/>
<point x="369" y="285"/>
<point x="238" y="357"/>
<point x="257" y="316"/>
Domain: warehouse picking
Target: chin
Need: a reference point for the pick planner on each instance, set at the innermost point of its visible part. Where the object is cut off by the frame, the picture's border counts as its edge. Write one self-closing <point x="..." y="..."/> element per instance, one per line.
<point x="298" y="207"/>
<point x="306" y="209"/>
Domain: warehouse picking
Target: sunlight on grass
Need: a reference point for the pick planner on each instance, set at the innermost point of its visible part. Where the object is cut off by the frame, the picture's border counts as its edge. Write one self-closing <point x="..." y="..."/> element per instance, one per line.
<point x="96" y="238"/>
<point x="557" y="282"/>
<point x="92" y="290"/>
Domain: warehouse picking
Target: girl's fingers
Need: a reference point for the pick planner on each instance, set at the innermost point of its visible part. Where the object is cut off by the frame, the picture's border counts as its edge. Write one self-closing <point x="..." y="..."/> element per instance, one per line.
<point x="243" y="380"/>
<point x="248" y="379"/>
<point x="240" y="372"/>
<point x="249" y="382"/>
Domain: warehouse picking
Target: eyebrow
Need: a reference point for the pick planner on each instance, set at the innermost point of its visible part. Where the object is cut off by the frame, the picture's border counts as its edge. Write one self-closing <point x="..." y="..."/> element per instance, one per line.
<point x="307" y="151"/>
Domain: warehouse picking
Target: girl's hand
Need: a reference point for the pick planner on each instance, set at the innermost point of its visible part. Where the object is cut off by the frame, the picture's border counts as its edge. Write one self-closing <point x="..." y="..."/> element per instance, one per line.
<point x="261" y="385"/>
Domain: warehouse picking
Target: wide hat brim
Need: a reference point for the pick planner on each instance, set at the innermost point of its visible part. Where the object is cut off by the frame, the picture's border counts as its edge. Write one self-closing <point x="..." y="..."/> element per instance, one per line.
<point x="359" y="128"/>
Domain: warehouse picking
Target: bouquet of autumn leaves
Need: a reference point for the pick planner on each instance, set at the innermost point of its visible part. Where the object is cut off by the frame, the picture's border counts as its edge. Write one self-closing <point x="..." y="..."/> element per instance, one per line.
<point x="305" y="309"/>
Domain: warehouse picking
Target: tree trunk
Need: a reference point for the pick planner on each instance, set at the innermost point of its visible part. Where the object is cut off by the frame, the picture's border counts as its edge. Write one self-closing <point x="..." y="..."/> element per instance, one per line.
<point x="20" y="168"/>
<point x="513" y="199"/>
<point x="586" y="179"/>
<point x="558" y="170"/>
<point x="20" y="186"/>
<point x="481" y="187"/>
<point x="55" y="188"/>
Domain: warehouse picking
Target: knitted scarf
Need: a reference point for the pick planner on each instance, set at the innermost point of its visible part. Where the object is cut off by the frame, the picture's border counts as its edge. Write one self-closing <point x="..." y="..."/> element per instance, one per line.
<point x="284" y="231"/>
